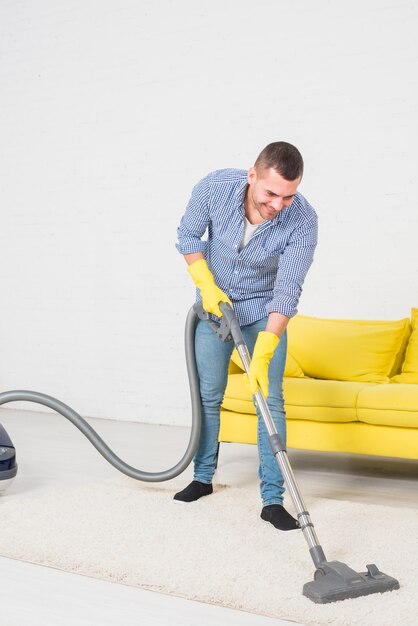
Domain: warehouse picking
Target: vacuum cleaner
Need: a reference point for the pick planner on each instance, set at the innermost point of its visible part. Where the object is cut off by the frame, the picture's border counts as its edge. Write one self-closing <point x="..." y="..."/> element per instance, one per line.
<point x="333" y="580"/>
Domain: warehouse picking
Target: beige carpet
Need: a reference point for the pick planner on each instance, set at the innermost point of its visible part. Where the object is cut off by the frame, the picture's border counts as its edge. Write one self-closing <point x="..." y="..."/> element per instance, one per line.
<point x="216" y="550"/>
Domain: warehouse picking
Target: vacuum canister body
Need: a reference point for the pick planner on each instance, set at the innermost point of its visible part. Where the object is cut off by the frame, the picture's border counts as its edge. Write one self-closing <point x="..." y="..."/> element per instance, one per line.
<point x="8" y="465"/>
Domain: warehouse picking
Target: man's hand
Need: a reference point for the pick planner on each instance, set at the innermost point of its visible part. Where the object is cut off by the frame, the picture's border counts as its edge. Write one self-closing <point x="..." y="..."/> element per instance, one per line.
<point x="259" y="367"/>
<point x="211" y="294"/>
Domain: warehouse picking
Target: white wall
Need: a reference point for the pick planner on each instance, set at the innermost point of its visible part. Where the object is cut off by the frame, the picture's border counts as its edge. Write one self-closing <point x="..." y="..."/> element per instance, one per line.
<point x="110" y="111"/>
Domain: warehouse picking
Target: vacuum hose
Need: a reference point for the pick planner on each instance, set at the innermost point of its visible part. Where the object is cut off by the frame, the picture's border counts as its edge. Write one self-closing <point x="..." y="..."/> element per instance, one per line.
<point x="97" y="441"/>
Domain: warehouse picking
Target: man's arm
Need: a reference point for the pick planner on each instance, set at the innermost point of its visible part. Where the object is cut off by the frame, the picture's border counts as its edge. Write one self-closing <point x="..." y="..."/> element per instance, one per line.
<point x="195" y="256"/>
<point x="195" y="221"/>
<point x="294" y="265"/>
<point x="277" y="323"/>
<point x="295" y="262"/>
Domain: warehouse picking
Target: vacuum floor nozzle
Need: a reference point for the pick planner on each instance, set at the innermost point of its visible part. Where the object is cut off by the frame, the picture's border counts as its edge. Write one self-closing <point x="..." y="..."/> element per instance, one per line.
<point x="335" y="581"/>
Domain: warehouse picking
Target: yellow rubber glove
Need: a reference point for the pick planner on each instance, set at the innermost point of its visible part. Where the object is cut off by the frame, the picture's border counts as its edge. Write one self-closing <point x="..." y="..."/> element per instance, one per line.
<point x="259" y="367"/>
<point x="211" y="294"/>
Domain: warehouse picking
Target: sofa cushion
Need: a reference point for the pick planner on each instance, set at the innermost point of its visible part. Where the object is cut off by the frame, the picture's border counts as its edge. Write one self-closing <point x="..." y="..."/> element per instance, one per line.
<point x="389" y="405"/>
<point x="309" y="399"/>
<point x="237" y="395"/>
<point x="292" y="368"/>
<point x="321" y="400"/>
<point x="410" y="366"/>
<point x="346" y="350"/>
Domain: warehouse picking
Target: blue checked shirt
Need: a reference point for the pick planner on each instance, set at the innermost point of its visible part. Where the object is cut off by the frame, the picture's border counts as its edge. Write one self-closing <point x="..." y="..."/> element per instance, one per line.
<point x="268" y="273"/>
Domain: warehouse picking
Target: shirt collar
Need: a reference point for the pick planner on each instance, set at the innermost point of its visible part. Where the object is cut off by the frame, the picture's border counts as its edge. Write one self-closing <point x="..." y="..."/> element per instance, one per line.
<point x="240" y="193"/>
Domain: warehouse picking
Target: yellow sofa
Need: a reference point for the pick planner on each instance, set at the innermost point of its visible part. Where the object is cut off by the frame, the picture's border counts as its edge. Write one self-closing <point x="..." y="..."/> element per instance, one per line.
<point x="349" y="386"/>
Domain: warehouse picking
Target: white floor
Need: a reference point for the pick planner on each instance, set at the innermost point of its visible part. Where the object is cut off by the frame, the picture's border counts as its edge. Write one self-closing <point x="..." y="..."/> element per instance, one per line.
<point x="51" y="452"/>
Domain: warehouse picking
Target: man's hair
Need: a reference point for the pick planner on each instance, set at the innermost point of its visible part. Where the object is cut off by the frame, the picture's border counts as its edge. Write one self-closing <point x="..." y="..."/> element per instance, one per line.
<point x="282" y="157"/>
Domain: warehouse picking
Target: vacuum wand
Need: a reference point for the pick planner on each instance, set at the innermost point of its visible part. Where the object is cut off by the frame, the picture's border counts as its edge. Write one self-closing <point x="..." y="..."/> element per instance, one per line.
<point x="276" y="443"/>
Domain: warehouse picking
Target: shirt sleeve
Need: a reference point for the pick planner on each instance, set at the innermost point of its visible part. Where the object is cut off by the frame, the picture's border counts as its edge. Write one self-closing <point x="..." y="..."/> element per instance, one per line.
<point x="195" y="220"/>
<point x="294" y="264"/>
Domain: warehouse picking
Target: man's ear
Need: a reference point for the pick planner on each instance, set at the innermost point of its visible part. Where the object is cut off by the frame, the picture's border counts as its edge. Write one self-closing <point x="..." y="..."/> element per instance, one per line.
<point x="251" y="175"/>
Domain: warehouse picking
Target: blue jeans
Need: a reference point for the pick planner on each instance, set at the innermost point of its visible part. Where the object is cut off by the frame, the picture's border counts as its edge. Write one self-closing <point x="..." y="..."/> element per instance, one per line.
<point x="212" y="358"/>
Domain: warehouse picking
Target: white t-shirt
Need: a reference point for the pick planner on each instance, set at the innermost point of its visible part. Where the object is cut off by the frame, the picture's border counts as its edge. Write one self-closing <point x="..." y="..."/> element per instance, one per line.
<point x="249" y="230"/>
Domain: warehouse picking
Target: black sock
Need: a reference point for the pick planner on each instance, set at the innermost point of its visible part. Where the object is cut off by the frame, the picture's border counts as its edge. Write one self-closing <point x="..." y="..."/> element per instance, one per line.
<point x="193" y="492"/>
<point x="277" y="515"/>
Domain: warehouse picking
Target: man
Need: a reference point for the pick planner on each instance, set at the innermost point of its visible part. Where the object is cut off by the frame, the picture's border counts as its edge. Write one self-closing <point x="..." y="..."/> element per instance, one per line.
<point x="262" y="235"/>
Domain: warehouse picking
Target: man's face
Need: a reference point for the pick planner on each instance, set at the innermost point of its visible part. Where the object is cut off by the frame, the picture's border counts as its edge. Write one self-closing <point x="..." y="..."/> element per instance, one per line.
<point x="269" y="192"/>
